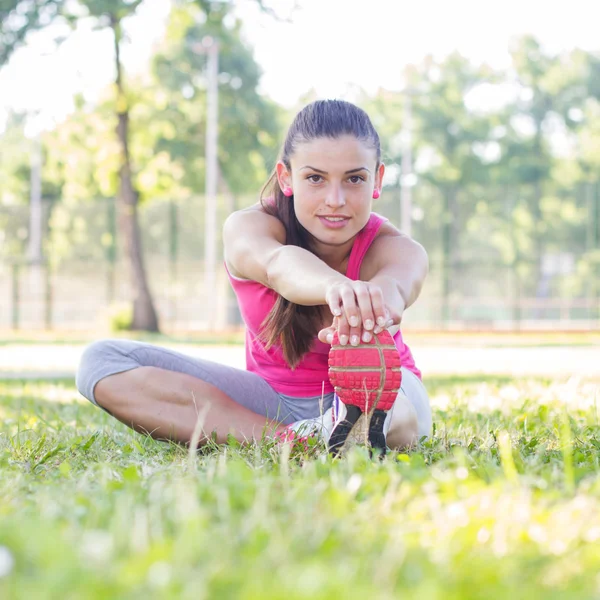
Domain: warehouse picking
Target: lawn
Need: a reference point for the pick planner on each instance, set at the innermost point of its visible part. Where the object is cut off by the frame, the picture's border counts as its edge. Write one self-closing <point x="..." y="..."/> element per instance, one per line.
<point x="502" y="502"/>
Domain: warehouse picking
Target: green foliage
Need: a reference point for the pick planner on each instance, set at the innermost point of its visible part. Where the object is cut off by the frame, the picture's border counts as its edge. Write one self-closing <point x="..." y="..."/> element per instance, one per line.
<point x="15" y="151"/>
<point x="82" y="152"/>
<point x="120" y="317"/>
<point x="505" y="167"/>
<point x="448" y="129"/>
<point x="510" y="184"/>
<point x="248" y="122"/>
<point x="501" y="502"/>
<point x="168" y="121"/>
<point x="19" y="18"/>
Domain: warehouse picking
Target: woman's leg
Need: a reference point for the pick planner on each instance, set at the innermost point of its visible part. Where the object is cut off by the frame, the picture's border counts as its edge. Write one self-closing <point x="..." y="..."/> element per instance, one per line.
<point x="411" y="416"/>
<point x="165" y="393"/>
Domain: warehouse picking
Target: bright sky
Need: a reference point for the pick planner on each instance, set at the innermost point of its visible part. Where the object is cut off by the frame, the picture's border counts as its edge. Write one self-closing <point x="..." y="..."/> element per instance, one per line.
<point x="330" y="45"/>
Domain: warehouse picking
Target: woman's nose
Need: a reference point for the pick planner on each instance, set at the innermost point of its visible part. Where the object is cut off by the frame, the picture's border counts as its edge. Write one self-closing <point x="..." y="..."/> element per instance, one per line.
<point x="335" y="196"/>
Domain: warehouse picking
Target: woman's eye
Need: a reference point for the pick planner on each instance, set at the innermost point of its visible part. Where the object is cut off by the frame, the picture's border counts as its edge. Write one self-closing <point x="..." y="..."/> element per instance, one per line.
<point x="356" y="179"/>
<point x="314" y="178"/>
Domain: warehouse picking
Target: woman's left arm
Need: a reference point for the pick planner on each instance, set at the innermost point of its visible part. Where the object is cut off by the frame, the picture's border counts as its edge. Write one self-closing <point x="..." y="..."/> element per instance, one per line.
<point x="399" y="266"/>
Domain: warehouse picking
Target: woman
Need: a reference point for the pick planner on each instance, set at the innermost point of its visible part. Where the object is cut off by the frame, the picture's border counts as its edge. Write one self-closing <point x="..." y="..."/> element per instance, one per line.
<point x="310" y="264"/>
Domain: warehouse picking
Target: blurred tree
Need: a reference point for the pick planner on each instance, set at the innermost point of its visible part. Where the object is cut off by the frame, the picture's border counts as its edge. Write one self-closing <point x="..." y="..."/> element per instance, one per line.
<point x="451" y="140"/>
<point x="107" y="14"/>
<point x="474" y="141"/>
<point x="588" y="145"/>
<point x="84" y="161"/>
<point x="386" y="110"/>
<point x="15" y="169"/>
<point x="19" y="17"/>
<point x="84" y="165"/>
<point x="16" y="151"/>
<point x="248" y="122"/>
<point x="550" y="90"/>
<point x="14" y="161"/>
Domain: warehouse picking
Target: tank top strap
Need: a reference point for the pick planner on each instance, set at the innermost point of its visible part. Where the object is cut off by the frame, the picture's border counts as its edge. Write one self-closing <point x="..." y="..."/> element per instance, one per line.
<point x="362" y="243"/>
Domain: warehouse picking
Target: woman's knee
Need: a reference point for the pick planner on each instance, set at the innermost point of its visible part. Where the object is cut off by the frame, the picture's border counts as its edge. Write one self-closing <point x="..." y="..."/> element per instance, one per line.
<point x="404" y="425"/>
<point x="99" y="360"/>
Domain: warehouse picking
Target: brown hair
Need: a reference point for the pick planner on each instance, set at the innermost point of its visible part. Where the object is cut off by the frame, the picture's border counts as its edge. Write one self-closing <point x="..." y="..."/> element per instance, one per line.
<point x="292" y="325"/>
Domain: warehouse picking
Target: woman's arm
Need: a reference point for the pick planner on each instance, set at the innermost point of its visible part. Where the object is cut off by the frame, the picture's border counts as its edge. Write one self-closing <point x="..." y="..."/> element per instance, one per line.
<point x="394" y="271"/>
<point x="254" y="248"/>
<point x="398" y="265"/>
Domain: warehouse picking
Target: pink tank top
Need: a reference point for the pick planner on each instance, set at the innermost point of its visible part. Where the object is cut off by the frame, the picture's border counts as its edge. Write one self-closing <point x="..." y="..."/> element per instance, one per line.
<point x="310" y="377"/>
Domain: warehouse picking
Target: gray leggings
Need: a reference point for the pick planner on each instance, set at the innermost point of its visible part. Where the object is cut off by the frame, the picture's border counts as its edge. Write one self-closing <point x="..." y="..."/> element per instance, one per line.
<point x="108" y="357"/>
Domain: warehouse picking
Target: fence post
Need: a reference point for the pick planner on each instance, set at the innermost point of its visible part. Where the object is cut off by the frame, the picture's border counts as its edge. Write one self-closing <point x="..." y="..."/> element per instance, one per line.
<point x="173" y="252"/>
<point x="595" y="242"/>
<point x="516" y="262"/>
<point x="48" y="296"/>
<point x="446" y="264"/>
<point x="111" y="250"/>
<point x="15" y="295"/>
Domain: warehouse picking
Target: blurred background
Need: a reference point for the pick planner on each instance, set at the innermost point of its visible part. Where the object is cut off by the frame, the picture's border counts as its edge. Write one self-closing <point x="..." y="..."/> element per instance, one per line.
<point x="130" y="129"/>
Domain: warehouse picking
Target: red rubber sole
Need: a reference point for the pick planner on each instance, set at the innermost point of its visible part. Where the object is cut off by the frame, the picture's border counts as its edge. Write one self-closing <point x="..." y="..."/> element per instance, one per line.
<point x="367" y="376"/>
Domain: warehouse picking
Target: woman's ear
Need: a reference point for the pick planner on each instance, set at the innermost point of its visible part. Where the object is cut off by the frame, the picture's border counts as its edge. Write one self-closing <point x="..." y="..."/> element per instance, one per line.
<point x="284" y="177"/>
<point x="379" y="176"/>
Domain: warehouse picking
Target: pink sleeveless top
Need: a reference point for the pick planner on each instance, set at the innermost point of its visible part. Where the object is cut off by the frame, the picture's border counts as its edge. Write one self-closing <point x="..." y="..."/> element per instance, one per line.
<point x="310" y="377"/>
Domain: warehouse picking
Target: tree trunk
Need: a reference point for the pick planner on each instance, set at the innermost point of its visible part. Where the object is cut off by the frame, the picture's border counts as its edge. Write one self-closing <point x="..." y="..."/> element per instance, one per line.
<point x="542" y="280"/>
<point x="234" y="317"/>
<point x="450" y="220"/>
<point x="144" y="314"/>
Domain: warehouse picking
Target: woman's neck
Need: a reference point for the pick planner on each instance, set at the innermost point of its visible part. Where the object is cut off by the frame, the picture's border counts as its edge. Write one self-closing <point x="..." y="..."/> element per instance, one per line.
<point x="335" y="257"/>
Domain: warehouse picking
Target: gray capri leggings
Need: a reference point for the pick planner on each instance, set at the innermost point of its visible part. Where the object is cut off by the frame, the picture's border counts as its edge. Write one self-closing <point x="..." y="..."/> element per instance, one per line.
<point x="108" y="357"/>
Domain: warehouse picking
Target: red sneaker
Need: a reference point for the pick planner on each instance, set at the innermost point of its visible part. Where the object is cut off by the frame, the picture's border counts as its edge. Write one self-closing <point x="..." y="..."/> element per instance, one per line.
<point x="367" y="379"/>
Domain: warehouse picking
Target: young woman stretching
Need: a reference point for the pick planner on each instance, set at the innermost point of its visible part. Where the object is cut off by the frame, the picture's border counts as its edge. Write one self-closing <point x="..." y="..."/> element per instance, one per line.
<point x="311" y="265"/>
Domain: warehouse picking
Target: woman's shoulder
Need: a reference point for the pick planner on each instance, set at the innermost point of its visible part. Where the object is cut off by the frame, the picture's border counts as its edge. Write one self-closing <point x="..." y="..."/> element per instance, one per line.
<point x="386" y="228"/>
<point x="389" y="235"/>
<point x="254" y="220"/>
<point x="250" y="233"/>
<point x="386" y="245"/>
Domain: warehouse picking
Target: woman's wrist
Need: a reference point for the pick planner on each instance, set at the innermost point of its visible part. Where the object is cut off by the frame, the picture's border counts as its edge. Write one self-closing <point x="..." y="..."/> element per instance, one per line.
<point x="301" y="277"/>
<point x="336" y="278"/>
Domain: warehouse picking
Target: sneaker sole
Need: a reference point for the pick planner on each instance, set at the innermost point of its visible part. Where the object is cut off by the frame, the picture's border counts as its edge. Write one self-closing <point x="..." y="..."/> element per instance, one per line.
<point x="367" y="375"/>
<point x="379" y="370"/>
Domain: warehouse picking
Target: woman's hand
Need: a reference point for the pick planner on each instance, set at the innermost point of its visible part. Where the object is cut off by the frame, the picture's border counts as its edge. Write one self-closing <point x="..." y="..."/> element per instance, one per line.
<point x="359" y="312"/>
<point x="340" y="324"/>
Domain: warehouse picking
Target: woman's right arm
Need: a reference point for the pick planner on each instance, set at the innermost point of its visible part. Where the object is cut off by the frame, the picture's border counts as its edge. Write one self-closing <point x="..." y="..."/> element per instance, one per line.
<point x="255" y="249"/>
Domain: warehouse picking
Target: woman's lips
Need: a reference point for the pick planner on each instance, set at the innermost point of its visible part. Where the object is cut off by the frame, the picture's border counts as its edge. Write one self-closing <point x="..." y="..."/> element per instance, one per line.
<point x="334" y="224"/>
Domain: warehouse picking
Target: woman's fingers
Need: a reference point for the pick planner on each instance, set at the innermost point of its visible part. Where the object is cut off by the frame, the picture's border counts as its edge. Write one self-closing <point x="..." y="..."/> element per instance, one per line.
<point x="361" y="312"/>
<point x="326" y="334"/>
<point x="351" y="314"/>
<point x="380" y="311"/>
<point x="343" y="329"/>
<point x="363" y="296"/>
<point x="334" y="300"/>
<point x="394" y="316"/>
<point x="358" y="308"/>
<point x="350" y="306"/>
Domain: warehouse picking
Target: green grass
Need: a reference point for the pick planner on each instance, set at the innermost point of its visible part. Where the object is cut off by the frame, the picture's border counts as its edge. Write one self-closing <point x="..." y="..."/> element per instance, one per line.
<point x="30" y="338"/>
<point x="501" y="503"/>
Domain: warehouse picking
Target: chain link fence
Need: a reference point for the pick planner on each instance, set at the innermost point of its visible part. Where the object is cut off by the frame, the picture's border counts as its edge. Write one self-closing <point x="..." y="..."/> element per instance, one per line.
<point x="486" y="271"/>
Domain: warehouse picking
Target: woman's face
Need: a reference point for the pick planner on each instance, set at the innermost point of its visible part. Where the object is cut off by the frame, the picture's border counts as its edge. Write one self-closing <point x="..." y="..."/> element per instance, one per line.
<point x="333" y="182"/>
